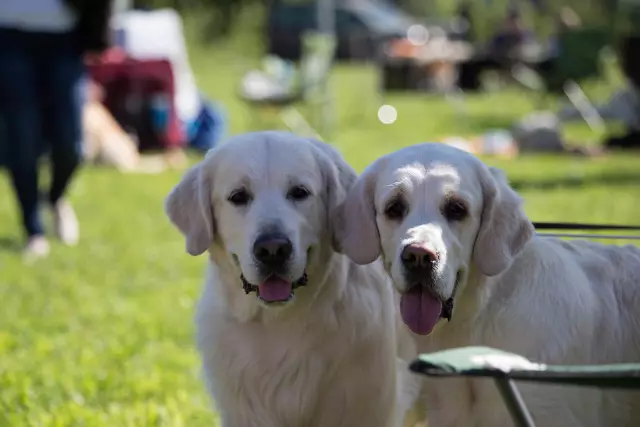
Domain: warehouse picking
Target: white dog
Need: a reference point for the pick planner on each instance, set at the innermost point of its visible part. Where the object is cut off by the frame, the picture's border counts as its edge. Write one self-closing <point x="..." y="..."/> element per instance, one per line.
<point x="454" y="238"/>
<point x="291" y="333"/>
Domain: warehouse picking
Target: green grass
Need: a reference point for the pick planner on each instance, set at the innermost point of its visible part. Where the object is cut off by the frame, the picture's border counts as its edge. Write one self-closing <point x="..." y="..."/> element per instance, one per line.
<point x="102" y="334"/>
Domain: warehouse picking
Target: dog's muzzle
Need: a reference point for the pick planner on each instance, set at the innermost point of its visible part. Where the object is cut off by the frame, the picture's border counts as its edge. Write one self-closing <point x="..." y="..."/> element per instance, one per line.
<point x="274" y="289"/>
<point x="421" y="308"/>
<point x="419" y="262"/>
<point x="272" y="253"/>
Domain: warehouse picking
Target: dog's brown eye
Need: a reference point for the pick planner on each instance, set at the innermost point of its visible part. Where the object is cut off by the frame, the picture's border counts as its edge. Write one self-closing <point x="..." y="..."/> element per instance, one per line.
<point x="395" y="209"/>
<point x="239" y="197"/>
<point x="455" y="210"/>
<point x="298" y="193"/>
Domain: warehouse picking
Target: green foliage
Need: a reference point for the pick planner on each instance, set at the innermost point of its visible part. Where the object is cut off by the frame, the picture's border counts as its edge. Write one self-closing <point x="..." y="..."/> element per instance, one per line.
<point x="488" y="14"/>
<point x="216" y="18"/>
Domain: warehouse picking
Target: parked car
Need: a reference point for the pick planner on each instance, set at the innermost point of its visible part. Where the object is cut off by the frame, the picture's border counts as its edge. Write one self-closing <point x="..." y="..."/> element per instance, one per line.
<point x="362" y="26"/>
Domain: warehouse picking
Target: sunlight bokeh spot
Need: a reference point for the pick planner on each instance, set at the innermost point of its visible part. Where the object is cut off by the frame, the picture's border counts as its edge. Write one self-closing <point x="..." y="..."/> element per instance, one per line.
<point x="387" y="114"/>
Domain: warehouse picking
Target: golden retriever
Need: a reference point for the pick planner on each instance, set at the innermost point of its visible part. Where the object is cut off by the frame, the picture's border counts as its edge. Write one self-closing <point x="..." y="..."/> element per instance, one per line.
<point x="290" y="332"/>
<point x="105" y="142"/>
<point x="458" y="246"/>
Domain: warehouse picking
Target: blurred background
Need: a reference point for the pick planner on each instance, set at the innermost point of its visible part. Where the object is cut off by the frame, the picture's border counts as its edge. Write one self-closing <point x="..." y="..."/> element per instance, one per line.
<point x="101" y="334"/>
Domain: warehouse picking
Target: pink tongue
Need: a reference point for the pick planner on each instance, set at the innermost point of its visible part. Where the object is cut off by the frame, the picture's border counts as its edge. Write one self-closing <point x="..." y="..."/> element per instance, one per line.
<point x="274" y="289"/>
<point x="420" y="311"/>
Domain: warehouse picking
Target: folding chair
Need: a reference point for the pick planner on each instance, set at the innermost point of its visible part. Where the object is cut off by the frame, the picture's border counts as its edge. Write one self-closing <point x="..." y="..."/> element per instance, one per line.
<point x="579" y="60"/>
<point x="263" y="92"/>
<point x="506" y="368"/>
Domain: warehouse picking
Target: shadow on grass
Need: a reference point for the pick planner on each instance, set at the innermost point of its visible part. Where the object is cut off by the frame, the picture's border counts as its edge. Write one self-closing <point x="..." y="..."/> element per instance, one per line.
<point x="9" y="245"/>
<point x="607" y="178"/>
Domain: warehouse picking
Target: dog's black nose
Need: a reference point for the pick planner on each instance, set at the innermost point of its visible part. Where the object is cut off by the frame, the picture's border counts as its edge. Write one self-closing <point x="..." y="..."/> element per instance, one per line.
<point x="272" y="250"/>
<point x="417" y="257"/>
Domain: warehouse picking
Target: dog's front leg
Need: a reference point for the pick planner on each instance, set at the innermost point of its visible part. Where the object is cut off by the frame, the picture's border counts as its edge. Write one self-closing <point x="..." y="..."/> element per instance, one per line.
<point x="408" y="408"/>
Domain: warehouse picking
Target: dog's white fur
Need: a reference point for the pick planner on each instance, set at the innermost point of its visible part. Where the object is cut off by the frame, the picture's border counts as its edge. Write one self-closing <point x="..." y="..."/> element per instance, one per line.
<point x="326" y="359"/>
<point x="549" y="300"/>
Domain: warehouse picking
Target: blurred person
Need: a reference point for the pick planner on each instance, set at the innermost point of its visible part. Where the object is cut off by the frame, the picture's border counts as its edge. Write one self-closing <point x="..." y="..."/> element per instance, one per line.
<point x="42" y="85"/>
<point x="567" y="20"/>
<point x="512" y="35"/>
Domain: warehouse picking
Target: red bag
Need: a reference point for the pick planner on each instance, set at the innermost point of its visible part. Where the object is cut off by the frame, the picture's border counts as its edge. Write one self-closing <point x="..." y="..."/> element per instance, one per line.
<point x="131" y="88"/>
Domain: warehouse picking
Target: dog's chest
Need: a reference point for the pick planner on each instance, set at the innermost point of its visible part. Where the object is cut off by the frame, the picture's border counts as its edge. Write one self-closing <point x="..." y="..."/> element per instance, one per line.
<point x="449" y="403"/>
<point x="274" y="377"/>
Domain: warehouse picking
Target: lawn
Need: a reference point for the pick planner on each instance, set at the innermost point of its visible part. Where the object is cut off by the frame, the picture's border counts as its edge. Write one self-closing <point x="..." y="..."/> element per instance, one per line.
<point x="102" y="334"/>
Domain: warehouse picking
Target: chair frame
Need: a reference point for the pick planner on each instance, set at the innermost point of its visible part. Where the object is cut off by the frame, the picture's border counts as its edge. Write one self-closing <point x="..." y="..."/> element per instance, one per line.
<point x="507" y="368"/>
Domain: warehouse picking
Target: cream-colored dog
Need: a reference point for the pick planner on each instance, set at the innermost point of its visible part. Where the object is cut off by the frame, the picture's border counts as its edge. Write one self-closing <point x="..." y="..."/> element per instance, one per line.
<point x="105" y="142"/>
<point x="291" y="333"/>
<point x="454" y="238"/>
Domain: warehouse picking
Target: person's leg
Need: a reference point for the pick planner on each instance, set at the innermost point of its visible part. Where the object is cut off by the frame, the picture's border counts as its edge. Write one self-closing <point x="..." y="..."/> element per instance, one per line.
<point x="19" y="111"/>
<point x="65" y="87"/>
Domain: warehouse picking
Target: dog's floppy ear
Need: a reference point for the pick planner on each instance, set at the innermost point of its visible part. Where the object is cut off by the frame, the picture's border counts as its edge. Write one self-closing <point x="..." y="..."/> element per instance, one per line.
<point x="504" y="227"/>
<point x="339" y="177"/>
<point x="355" y="228"/>
<point x="189" y="208"/>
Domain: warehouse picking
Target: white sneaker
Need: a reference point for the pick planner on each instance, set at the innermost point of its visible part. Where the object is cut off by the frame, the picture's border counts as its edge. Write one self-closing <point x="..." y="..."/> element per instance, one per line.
<point x="37" y="247"/>
<point x="65" y="223"/>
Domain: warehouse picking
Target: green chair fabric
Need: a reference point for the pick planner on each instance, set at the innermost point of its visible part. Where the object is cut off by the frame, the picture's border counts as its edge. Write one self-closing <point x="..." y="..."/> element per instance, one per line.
<point x="307" y="85"/>
<point x="579" y="60"/>
<point x="493" y="363"/>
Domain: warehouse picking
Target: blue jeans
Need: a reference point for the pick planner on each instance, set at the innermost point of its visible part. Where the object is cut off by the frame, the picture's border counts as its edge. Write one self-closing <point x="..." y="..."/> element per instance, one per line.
<point x="42" y="85"/>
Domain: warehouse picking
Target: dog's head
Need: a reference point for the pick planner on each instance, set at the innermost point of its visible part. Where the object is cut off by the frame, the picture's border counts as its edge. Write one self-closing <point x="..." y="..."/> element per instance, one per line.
<point x="262" y="201"/>
<point x="432" y="212"/>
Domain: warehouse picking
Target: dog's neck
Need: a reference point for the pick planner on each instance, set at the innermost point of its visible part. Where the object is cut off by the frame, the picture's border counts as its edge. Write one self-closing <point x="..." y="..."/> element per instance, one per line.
<point x="458" y="332"/>
<point x="324" y="286"/>
<point x="473" y="298"/>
